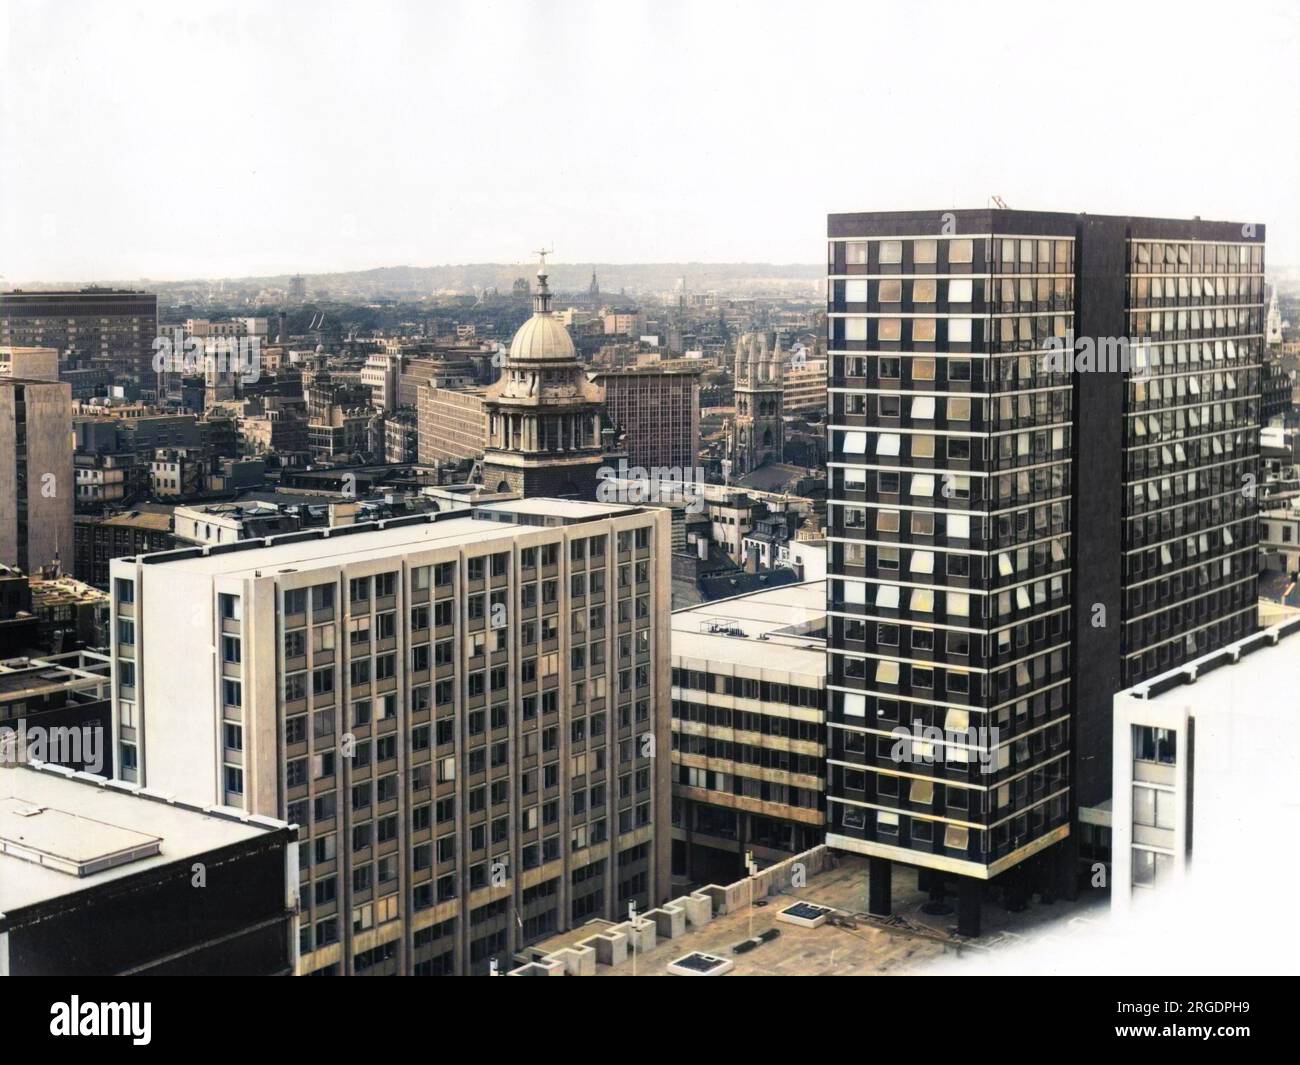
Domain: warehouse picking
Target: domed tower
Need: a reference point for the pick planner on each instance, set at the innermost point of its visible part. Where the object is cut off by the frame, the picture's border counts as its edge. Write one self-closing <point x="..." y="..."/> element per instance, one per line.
<point x="545" y="418"/>
<point x="758" y="430"/>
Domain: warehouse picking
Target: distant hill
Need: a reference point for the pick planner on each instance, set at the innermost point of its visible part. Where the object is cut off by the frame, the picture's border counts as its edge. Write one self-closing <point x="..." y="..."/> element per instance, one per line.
<point x="643" y="278"/>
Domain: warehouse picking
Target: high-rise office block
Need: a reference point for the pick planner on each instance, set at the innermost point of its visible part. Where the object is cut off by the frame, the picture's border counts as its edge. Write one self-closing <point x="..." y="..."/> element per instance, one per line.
<point x="89" y="324"/>
<point x="37" y="486"/>
<point x="467" y="715"/>
<point x="1016" y="536"/>
<point x="451" y="424"/>
<point x="805" y="387"/>
<point x="658" y="409"/>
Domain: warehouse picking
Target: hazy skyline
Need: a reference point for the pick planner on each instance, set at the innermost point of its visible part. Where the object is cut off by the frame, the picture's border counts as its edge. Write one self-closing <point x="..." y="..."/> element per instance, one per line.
<point x="234" y="139"/>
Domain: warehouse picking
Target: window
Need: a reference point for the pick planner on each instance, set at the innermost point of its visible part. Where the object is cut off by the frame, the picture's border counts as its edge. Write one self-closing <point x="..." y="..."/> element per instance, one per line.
<point x="1154" y="744"/>
<point x="960" y="290"/>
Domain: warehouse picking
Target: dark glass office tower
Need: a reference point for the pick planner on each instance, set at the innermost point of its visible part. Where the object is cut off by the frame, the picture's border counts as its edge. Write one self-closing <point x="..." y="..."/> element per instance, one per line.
<point x="86" y="326"/>
<point x="1041" y="426"/>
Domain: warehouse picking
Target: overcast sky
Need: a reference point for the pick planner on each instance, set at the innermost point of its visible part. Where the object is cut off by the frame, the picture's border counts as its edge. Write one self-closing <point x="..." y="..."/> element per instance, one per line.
<point x="211" y="139"/>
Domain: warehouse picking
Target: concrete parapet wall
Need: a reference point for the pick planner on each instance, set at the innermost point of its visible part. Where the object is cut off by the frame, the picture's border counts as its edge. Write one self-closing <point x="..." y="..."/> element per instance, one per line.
<point x="610" y="946"/>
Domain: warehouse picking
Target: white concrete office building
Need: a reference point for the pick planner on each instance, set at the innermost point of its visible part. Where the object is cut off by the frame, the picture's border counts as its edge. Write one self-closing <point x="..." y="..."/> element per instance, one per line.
<point x="1206" y="759"/>
<point x="461" y="711"/>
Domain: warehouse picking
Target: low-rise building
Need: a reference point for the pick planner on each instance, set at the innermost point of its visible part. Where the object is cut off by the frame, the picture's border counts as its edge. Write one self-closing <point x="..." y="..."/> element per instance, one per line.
<point x="175" y="473"/>
<point x="98" y="540"/>
<point x="749" y="743"/>
<point x="58" y="709"/>
<point x="1205" y="762"/>
<point x="228" y="523"/>
<point x="35" y="364"/>
<point x="70" y="613"/>
<point x="99" y="878"/>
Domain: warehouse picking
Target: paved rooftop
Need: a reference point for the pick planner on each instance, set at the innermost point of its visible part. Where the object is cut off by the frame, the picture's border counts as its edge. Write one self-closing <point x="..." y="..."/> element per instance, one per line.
<point x="909" y="943"/>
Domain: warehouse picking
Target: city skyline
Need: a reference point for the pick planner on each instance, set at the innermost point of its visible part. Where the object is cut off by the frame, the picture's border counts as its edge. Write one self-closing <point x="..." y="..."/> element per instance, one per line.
<point x="493" y="124"/>
<point x="635" y="488"/>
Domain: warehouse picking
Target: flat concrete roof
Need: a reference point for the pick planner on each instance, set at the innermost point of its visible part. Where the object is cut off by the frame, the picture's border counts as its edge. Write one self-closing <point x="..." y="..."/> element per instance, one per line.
<point x="560" y="508"/>
<point x="75" y="832"/>
<point x="158" y="521"/>
<point x="67" y="842"/>
<point x="775" y="613"/>
<point x="1261" y="681"/>
<point x="385" y="539"/>
<point x="322" y="552"/>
